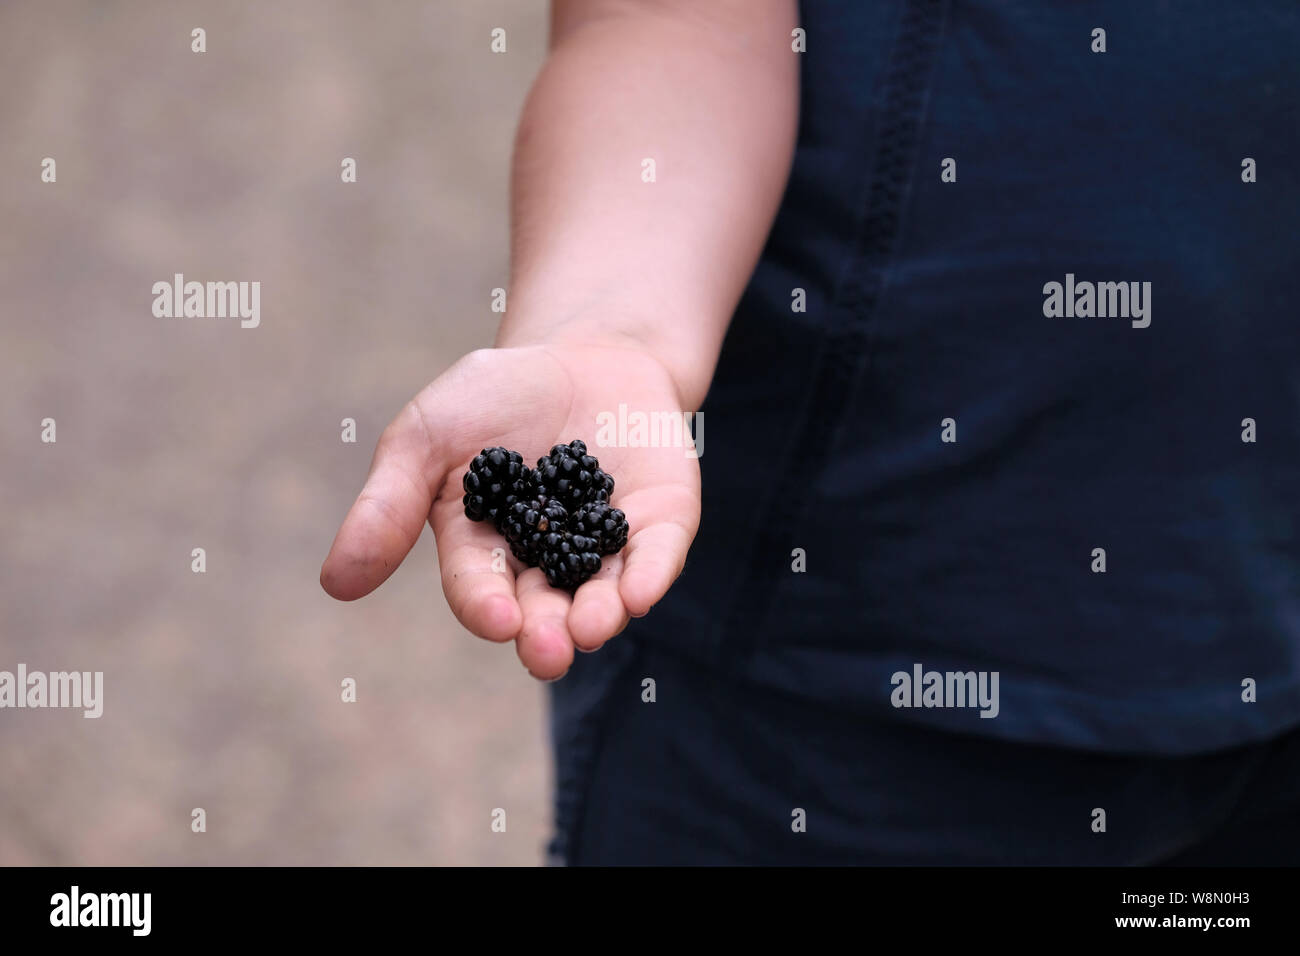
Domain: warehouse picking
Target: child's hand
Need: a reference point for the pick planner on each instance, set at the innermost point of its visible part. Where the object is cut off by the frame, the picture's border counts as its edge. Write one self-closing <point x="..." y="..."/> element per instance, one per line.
<point x="526" y="399"/>
<point x="637" y="268"/>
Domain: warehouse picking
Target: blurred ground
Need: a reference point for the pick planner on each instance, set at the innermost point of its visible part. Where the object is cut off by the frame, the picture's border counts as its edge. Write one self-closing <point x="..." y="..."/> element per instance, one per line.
<point x="223" y="689"/>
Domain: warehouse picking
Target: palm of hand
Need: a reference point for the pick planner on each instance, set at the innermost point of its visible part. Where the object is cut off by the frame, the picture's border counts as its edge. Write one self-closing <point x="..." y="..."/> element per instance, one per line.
<point x="526" y="399"/>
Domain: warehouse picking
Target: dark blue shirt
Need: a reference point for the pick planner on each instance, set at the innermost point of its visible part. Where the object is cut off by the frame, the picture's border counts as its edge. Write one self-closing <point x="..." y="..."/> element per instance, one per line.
<point x="926" y="301"/>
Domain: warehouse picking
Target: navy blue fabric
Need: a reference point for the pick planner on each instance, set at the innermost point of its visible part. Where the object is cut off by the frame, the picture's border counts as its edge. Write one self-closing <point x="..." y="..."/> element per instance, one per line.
<point x="713" y="772"/>
<point x="925" y="303"/>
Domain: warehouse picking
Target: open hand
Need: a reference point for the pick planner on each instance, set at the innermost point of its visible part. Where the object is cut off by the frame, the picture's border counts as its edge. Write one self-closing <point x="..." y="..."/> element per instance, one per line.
<point x="526" y="399"/>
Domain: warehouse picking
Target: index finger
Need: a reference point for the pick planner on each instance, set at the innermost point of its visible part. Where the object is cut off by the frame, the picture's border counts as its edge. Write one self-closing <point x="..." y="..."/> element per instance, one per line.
<point x="476" y="577"/>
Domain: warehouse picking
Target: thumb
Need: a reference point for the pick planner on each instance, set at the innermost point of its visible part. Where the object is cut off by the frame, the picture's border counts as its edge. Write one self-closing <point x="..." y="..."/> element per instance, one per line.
<point x="389" y="515"/>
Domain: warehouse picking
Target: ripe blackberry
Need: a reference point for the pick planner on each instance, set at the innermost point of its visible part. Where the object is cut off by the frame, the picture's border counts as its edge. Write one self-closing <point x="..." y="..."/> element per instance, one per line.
<point x="602" y="487"/>
<point x="568" y="559"/>
<point x="557" y="517"/>
<point x="572" y="477"/>
<point x="496" y="479"/>
<point x="606" y="525"/>
<point x="526" y="524"/>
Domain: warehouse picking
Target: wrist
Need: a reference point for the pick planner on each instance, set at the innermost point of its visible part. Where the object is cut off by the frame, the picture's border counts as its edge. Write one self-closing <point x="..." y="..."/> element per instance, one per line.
<point x="687" y="362"/>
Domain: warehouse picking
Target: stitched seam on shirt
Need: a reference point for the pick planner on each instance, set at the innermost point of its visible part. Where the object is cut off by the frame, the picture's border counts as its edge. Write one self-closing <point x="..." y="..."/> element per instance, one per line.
<point x="904" y="95"/>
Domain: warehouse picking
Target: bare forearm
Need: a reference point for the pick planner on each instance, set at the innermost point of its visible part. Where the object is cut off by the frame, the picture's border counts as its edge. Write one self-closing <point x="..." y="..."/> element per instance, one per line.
<point x="709" y="93"/>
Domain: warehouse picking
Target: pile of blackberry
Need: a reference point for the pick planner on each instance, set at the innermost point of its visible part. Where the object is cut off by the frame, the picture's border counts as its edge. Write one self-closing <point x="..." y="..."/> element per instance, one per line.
<point x="557" y="516"/>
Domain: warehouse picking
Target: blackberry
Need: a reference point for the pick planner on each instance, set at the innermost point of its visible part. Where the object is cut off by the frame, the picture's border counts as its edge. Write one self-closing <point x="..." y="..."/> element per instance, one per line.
<point x="606" y="525"/>
<point x="557" y="517"/>
<point x="602" y="487"/>
<point x="572" y="477"/>
<point x="526" y="524"/>
<point x="568" y="559"/>
<point x="496" y="479"/>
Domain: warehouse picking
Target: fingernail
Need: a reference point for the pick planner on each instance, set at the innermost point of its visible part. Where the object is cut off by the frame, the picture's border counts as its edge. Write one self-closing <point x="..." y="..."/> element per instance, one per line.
<point x="584" y="650"/>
